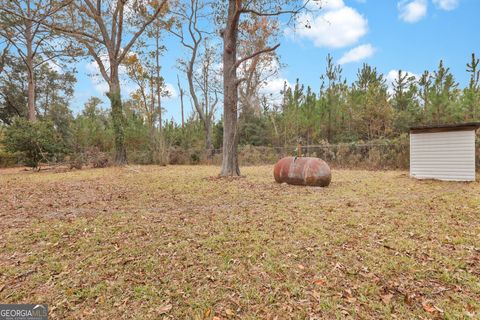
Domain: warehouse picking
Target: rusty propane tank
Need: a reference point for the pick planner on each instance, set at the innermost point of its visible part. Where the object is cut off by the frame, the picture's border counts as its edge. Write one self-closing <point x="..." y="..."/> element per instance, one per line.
<point x="304" y="171"/>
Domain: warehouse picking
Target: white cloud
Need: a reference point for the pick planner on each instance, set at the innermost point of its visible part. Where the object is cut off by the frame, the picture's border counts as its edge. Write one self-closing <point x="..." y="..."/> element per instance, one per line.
<point x="412" y="11"/>
<point x="172" y="91"/>
<point x="331" y="4"/>
<point x="97" y="80"/>
<point x="102" y="87"/>
<point x="324" y="4"/>
<point x="335" y="26"/>
<point x="392" y="76"/>
<point x="357" y="54"/>
<point x="273" y="88"/>
<point x="446" y="4"/>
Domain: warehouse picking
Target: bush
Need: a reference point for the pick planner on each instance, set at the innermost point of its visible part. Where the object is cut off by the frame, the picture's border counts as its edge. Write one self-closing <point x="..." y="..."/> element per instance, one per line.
<point x="178" y="155"/>
<point x="96" y="158"/>
<point x="76" y="161"/>
<point x="36" y="142"/>
<point x="251" y="155"/>
<point x="7" y="159"/>
<point x="195" y="157"/>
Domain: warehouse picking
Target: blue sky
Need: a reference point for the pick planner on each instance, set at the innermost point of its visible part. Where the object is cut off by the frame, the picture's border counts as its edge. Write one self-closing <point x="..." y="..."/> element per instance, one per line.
<point x="411" y="35"/>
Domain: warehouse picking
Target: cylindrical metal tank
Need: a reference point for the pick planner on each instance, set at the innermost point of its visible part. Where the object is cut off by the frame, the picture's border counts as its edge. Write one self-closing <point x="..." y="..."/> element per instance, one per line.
<point x="304" y="171"/>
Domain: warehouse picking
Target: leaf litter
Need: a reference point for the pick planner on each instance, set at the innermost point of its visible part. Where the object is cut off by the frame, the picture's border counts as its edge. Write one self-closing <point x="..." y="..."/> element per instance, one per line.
<point x="172" y="242"/>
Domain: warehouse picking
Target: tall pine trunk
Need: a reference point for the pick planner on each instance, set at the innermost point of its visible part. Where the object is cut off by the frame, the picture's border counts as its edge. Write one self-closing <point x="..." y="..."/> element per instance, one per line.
<point x="208" y="139"/>
<point x="32" y="112"/>
<point x="230" y="89"/>
<point x="117" y="118"/>
<point x="157" y="67"/>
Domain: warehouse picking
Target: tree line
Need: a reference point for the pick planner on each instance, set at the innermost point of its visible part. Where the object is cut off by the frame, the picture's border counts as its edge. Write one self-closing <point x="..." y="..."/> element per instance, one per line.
<point x="370" y="107"/>
<point x="41" y="40"/>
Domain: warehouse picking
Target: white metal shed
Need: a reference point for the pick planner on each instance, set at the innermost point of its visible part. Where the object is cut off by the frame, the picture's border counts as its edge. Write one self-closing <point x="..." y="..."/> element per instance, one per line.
<point x="444" y="152"/>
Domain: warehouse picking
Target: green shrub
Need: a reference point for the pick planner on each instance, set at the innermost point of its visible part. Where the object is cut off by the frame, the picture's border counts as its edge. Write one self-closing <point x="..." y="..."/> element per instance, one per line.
<point x="36" y="142"/>
<point x="92" y="132"/>
<point x="195" y="157"/>
<point x="7" y="159"/>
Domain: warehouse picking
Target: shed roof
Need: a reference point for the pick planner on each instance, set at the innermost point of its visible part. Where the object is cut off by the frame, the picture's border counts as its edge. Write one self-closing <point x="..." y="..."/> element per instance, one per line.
<point x="446" y="127"/>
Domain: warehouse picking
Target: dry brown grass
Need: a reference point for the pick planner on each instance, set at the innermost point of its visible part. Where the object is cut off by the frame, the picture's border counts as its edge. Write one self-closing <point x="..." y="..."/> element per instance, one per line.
<point x="170" y="242"/>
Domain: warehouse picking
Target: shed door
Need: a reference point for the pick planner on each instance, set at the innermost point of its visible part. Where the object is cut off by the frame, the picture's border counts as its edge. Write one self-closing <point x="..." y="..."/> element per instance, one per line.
<point x="443" y="155"/>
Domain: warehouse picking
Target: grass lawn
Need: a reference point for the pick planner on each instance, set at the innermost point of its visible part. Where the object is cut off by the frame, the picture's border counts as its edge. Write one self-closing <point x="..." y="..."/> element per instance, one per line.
<point x="176" y="243"/>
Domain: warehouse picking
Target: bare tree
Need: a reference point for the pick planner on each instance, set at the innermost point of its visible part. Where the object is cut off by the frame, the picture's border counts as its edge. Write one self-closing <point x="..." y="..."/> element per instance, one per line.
<point x="143" y="96"/>
<point x="101" y="27"/>
<point x="23" y="27"/>
<point x="157" y="70"/>
<point x="190" y="15"/>
<point x="256" y="72"/>
<point x="235" y="11"/>
<point x="207" y="80"/>
<point x="181" y="93"/>
<point x="142" y="73"/>
<point x="155" y="32"/>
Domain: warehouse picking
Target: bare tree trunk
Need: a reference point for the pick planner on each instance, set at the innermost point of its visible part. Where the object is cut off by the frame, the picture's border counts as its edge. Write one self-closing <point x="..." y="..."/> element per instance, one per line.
<point x="230" y="88"/>
<point x="157" y="62"/>
<point x="202" y="110"/>
<point x="117" y="117"/>
<point x="47" y="103"/>
<point x="329" y="132"/>
<point x="181" y="101"/>
<point x="208" y="140"/>
<point x="32" y="114"/>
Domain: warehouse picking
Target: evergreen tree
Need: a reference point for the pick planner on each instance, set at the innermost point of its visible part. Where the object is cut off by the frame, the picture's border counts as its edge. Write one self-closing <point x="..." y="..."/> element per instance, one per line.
<point x="405" y="101"/>
<point x="471" y="94"/>
<point x="443" y="96"/>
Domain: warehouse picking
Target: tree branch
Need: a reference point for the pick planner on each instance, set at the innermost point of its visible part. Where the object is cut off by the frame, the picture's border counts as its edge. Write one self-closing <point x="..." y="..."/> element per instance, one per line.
<point x="3" y="57"/>
<point x="140" y="31"/>
<point x="95" y="56"/>
<point x="253" y="55"/>
<point x="56" y="27"/>
<point x="117" y="39"/>
<point x="276" y="13"/>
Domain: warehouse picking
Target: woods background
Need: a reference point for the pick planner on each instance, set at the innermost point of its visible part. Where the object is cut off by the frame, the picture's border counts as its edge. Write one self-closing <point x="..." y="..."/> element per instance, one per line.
<point x="361" y="122"/>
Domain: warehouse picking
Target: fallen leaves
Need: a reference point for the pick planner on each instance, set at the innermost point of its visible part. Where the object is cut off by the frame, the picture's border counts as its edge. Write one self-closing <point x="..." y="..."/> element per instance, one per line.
<point x="240" y="248"/>
<point x="164" y="309"/>
<point x="207" y="313"/>
<point x="386" y="298"/>
<point x="319" y="282"/>
<point x="430" y="307"/>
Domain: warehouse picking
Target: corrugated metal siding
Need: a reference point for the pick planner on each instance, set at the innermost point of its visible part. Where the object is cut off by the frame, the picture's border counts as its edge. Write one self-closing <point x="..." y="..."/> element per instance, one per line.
<point x="443" y="155"/>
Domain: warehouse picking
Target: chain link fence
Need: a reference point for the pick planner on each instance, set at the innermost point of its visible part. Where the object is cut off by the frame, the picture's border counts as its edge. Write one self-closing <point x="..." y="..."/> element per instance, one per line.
<point x="387" y="155"/>
<point x="380" y="155"/>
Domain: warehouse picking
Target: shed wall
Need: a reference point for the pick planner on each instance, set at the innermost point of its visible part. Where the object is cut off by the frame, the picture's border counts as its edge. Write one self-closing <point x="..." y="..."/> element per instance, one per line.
<point x="443" y="155"/>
